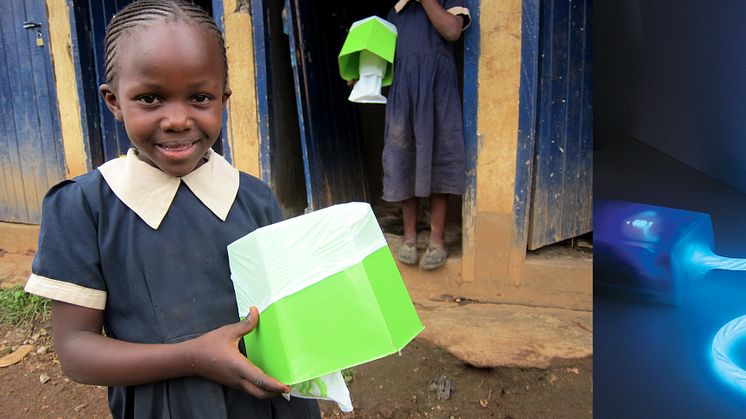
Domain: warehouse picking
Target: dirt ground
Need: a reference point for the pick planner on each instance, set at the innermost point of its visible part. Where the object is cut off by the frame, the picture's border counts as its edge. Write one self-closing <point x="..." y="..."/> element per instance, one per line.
<point x="424" y="381"/>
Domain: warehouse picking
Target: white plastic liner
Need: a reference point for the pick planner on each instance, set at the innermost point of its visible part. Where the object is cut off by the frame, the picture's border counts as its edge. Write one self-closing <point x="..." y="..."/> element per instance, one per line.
<point x="368" y="87"/>
<point x="390" y="26"/>
<point x="281" y="259"/>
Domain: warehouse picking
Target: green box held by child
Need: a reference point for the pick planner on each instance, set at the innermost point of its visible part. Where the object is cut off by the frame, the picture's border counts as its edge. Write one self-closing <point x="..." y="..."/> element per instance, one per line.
<point x="330" y="297"/>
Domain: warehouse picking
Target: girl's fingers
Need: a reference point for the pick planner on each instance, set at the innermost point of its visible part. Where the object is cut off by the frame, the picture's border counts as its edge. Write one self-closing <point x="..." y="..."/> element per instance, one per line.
<point x="248" y="324"/>
<point x="257" y="391"/>
<point x="259" y="379"/>
<point x="253" y="380"/>
<point x="263" y="386"/>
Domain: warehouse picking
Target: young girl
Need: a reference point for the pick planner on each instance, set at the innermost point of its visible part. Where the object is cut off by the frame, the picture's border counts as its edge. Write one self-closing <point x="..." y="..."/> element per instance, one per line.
<point x="138" y="247"/>
<point x="423" y="153"/>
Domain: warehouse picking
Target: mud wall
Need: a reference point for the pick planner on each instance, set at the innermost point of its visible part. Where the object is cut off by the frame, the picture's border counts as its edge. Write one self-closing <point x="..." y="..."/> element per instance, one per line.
<point x="243" y="134"/>
<point x="499" y="74"/>
<point x="67" y="89"/>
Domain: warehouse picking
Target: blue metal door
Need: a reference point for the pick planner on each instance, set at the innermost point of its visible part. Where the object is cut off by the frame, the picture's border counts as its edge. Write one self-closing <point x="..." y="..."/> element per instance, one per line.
<point x="330" y="139"/>
<point x="31" y="153"/>
<point x="561" y="201"/>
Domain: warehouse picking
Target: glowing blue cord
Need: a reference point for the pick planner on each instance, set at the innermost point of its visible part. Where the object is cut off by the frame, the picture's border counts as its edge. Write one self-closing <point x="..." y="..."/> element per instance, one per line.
<point x="731" y="331"/>
<point x="724" y="339"/>
<point x="721" y="262"/>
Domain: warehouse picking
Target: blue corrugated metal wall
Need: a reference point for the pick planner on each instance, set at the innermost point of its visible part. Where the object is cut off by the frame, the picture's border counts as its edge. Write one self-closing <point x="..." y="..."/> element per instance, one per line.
<point x="31" y="154"/>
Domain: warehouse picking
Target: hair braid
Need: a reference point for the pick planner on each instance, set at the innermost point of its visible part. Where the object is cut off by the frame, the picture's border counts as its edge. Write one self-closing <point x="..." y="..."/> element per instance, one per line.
<point x="141" y="12"/>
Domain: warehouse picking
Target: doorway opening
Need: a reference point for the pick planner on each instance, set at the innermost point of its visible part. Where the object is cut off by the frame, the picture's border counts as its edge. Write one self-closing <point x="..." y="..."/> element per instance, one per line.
<point x="320" y="148"/>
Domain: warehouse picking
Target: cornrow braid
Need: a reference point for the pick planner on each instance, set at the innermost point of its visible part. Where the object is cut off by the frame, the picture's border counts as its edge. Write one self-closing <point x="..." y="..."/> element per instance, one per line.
<point x="142" y="12"/>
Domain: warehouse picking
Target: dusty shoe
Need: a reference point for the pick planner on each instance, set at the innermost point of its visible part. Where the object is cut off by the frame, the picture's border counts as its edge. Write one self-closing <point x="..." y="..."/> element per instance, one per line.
<point x="407" y="253"/>
<point x="434" y="258"/>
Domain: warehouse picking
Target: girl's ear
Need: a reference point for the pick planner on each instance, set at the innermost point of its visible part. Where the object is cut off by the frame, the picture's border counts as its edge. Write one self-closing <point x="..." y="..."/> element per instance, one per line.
<point x="111" y="101"/>
<point x="226" y="94"/>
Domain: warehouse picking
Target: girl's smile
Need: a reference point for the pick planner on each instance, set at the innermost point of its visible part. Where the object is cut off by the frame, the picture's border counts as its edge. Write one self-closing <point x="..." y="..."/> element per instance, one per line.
<point x="169" y="91"/>
<point x="177" y="150"/>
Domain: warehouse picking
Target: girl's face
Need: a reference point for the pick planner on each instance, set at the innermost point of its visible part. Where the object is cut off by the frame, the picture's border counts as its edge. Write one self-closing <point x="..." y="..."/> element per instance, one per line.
<point x="169" y="90"/>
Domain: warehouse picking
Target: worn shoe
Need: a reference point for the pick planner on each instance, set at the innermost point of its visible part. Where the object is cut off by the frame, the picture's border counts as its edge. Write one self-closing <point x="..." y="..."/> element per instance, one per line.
<point x="407" y="253"/>
<point x="434" y="258"/>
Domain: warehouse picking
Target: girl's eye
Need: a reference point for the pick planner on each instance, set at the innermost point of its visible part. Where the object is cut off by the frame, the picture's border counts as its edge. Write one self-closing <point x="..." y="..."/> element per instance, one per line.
<point x="201" y="98"/>
<point x="147" y="99"/>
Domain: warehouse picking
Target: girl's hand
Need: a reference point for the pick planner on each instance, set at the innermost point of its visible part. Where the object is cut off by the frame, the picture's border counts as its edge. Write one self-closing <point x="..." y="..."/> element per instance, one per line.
<point x="88" y="357"/>
<point x="215" y="356"/>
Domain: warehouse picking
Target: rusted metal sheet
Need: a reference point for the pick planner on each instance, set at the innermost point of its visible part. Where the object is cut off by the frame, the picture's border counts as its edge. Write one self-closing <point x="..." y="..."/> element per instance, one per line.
<point x="31" y="154"/>
<point x="561" y="202"/>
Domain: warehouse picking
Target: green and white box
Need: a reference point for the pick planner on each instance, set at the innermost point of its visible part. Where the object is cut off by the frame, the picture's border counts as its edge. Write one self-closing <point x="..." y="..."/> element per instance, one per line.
<point x="329" y="293"/>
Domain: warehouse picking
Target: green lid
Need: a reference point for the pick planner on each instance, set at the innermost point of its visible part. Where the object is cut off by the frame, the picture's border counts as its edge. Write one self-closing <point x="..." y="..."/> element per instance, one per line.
<point x="375" y="35"/>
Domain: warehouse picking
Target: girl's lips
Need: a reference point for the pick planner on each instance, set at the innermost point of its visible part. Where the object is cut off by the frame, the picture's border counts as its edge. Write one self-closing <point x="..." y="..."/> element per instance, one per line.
<point x="177" y="150"/>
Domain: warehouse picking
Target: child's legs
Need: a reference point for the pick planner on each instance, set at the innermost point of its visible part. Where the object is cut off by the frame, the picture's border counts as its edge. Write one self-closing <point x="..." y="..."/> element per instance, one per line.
<point x="438" y="208"/>
<point x="409" y="213"/>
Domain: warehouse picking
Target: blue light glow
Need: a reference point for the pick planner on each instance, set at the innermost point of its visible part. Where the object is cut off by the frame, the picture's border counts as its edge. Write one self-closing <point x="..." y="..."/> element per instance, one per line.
<point x="649" y="252"/>
<point x="724" y="340"/>
<point x="661" y="255"/>
<point x="644" y="226"/>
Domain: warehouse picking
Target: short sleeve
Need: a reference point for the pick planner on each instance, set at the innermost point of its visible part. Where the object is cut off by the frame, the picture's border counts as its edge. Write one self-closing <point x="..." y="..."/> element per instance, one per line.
<point x="458" y="8"/>
<point x="66" y="266"/>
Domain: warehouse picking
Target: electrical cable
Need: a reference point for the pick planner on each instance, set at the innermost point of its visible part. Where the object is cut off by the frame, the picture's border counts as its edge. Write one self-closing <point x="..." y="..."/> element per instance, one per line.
<point x="723" y="341"/>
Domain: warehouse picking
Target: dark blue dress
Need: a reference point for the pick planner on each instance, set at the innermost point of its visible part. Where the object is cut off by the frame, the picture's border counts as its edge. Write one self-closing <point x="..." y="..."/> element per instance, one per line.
<point x="164" y="285"/>
<point x="423" y="142"/>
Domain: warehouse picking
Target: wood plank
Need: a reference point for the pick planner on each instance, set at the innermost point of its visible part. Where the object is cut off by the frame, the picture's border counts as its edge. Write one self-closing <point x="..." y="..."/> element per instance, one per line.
<point x="8" y="194"/>
<point x="556" y="149"/>
<point x="584" y="203"/>
<point x="47" y="150"/>
<point x="527" y="118"/>
<point x="14" y="188"/>
<point x="20" y="98"/>
<point x="539" y="193"/>
<point x="471" y="79"/>
<point x="574" y="76"/>
<point x="561" y="190"/>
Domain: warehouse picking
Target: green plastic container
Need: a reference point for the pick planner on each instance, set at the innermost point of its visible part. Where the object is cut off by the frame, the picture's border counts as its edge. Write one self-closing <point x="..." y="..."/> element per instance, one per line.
<point x="329" y="293"/>
<point x="375" y="35"/>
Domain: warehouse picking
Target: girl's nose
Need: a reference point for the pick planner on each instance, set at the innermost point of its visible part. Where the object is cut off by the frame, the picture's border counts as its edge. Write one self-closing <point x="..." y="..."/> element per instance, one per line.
<point x="177" y="118"/>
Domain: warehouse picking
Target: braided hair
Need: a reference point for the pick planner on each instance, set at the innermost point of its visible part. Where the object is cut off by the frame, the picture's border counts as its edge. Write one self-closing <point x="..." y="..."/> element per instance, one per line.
<point x="141" y="12"/>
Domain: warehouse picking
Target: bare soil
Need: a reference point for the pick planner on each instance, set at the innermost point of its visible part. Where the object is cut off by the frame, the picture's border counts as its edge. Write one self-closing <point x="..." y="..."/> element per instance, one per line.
<point x="424" y="381"/>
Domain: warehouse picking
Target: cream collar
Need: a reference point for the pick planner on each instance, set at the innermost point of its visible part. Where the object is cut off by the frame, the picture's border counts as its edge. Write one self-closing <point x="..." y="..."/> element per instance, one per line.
<point x="149" y="192"/>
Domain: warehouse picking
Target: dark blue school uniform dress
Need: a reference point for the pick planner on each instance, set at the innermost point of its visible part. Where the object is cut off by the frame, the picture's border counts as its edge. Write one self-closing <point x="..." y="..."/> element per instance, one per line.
<point x="423" y="142"/>
<point x="161" y="276"/>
